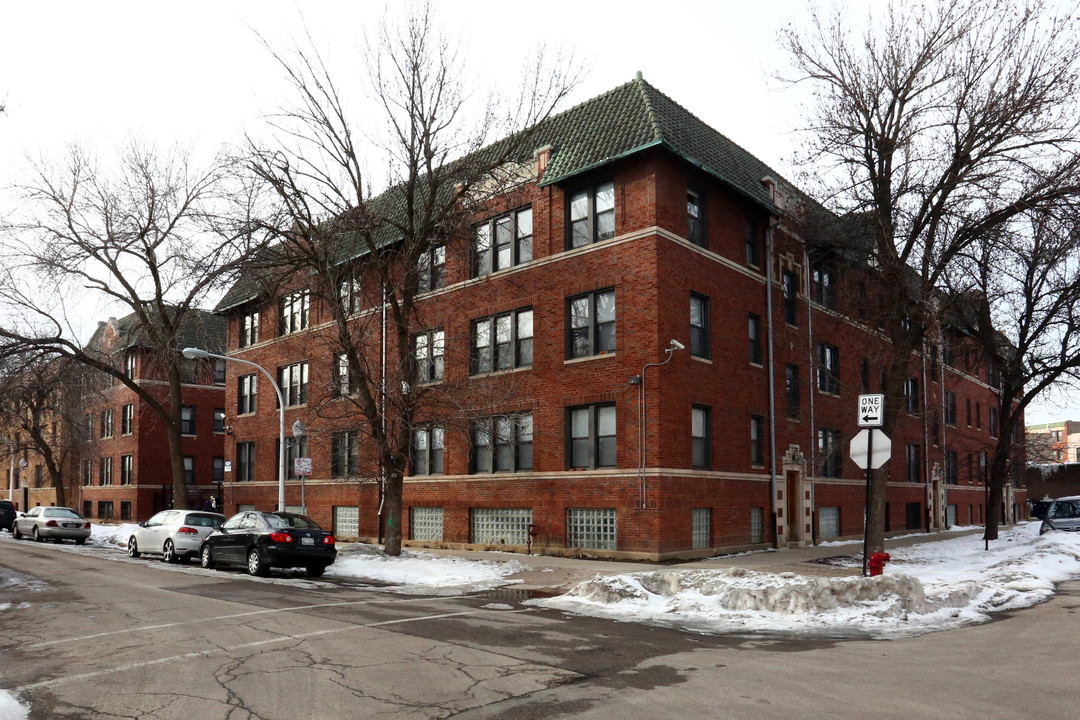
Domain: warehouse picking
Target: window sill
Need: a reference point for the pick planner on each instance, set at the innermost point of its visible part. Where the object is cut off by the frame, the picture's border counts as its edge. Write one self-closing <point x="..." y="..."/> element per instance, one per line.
<point x="700" y="359"/>
<point x="189" y="435"/>
<point x="756" y="364"/>
<point x="590" y="358"/>
<point x="496" y="373"/>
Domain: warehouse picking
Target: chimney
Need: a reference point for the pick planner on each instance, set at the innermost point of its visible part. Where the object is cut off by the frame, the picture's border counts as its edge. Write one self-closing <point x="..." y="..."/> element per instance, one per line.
<point x="543" y="158"/>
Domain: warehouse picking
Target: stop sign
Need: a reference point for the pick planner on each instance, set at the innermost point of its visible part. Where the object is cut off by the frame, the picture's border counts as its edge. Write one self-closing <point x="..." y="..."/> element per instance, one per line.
<point x="860" y="449"/>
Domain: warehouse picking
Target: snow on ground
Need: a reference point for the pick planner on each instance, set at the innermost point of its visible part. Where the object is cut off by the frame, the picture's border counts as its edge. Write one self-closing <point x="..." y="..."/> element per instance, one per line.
<point x="421" y="573"/>
<point x="11" y="708"/>
<point x="926" y="587"/>
<point x="109" y="535"/>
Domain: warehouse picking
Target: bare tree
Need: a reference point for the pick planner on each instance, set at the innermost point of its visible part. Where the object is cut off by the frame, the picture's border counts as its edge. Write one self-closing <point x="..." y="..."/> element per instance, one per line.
<point x="146" y="231"/>
<point x="360" y="249"/>
<point x="941" y="123"/>
<point x="1021" y="291"/>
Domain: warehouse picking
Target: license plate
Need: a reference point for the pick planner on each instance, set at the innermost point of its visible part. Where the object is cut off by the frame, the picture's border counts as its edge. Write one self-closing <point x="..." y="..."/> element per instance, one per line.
<point x="69" y="524"/>
<point x="307" y="541"/>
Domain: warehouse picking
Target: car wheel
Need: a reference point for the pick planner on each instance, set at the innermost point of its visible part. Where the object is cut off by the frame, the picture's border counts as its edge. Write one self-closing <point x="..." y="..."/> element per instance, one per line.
<point x="255" y="564"/>
<point x="315" y="570"/>
<point x="168" y="552"/>
<point x="206" y="559"/>
<point x="37" y="535"/>
<point x="15" y="532"/>
<point x="80" y="541"/>
<point x="133" y="547"/>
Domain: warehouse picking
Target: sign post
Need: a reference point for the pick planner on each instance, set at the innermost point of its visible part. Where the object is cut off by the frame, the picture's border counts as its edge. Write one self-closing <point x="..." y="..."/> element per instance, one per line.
<point x="871" y="409"/>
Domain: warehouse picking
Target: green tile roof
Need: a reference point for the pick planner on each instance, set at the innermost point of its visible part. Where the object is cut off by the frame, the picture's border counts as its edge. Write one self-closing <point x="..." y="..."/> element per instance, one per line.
<point x="200" y="328"/>
<point x="623" y="121"/>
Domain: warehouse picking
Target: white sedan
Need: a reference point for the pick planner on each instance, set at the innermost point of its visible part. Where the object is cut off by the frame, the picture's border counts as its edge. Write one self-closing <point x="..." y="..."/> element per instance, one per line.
<point x="55" y="523"/>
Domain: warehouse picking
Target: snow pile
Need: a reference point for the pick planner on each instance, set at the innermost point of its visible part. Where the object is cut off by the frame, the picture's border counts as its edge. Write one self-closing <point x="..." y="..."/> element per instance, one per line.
<point x="419" y="572"/>
<point x="108" y="535"/>
<point x="926" y="587"/>
<point x="11" y="708"/>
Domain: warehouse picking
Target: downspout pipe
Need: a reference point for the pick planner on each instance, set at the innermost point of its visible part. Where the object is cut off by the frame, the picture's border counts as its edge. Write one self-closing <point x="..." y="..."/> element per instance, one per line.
<point x="643" y="488"/>
<point x="773" y="222"/>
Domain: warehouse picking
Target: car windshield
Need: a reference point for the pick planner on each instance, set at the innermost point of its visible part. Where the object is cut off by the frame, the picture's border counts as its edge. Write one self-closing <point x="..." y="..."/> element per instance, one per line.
<point x="60" y="513"/>
<point x="1065" y="509"/>
<point x="203" y="521"/>
<point x="291" y="521"/>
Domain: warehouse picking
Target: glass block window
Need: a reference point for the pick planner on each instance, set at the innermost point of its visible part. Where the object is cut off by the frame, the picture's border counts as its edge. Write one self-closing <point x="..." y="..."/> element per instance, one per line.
<point x="346" y="521"/>
<point x="500" y="526"/>
<point x="700" y="522"/>
<point x="757" y="531"/>
<point x="828" y="522"/>
<point x="243" y="507"/>
<point x="592" y="528"/>
<point x="298" y="509"/>
<point x="950" y="516"/>
<point x="426" y="523"/>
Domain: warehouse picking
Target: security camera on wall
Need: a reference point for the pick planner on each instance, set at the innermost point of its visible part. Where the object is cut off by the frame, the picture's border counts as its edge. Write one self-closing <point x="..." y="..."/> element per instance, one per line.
<point x="678" y="345"/>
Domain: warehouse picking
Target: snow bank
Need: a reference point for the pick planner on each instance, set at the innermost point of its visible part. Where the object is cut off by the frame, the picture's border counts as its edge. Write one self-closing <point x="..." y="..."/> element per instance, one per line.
<point x="11" y="708"/>
<point x="926" y="587"/>
<point x="419" y="572"/>
<point x="108" y="535"/>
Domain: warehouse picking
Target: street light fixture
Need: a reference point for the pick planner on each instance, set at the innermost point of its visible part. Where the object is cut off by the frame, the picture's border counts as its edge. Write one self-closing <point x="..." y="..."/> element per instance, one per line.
<point x="192" y="353"/>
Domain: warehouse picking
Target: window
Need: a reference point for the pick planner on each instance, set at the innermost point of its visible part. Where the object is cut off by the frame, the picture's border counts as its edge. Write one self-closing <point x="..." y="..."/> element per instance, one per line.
<point x="829" y="522"/>
<point x="755" y="339"/>
<point x="219" y="372"/>
<point x="503" y="444"/>
<point x="189" y="469"/>
<point x="695" y="218"/>
<point x="246" y="391"/>
<point x="105" y="509"/>
<point x="88" y="472"/>
<point x="993" y="412"/>
<point x="935" y="433"/>
<point x="249" y="329"/>
<point x="39" y="476"/>
<point x="950" y="408"/>
<point x="753" y="244"/>
<point x="342" y="383"/>
<point x="967" y="403"/>
<point x="219" y="469"/>
<point x="933" y="363"/>
<point x="293" y="312"/>
<point x="105" y="470"/>
<point x="591" y="324"/>
<point x="824" y="292"/>
<point x="993" y="376"/>
<point x="791" y="379"/>
<point x="594" y="528"/>
<point x="699" y="325"/>
<point x="757" y="531"/>
<point x="431" y="269"/>
<point x="503" y="242"/>
<point x="245" y="461"/>
<point x="129" y="364"/>
<point x="219" y="420"/>
<point x="126" y="468"/>
<point x="106" y="423"/>
<point x="952" y="468"/>
<point x="426" y="523"/>
<point x="911" y="394"/>
<point x="757" y="440"/>
<point x="349" y="294"/>
<point x="591" y="436"/>
<point x="502" y="342"/>
<point x="591" y="215"/>
<point x="293" y="381"/>
<point x="700" y="525"/>
<point x="187" y="419"/>
<point x="828" y="372"/>
<point x="427" y="454"/>
<point x="700" y="438"/>
<point x="914" y="468"/>
<point x="790" y="286"/>
<point x="865" y="372"/>
<point x="345" y="454"/>
<point x="428" y="349"/>
<point x="978" y="415"/>
<point x="829" y="451"/>
<point x="125" y="510"/>
<point x="295" y="447"/>
<point x="500" y="526"/>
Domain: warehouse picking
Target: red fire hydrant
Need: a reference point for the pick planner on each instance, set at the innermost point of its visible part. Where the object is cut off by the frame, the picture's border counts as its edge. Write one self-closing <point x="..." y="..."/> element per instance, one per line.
<point x="876" y="563"/>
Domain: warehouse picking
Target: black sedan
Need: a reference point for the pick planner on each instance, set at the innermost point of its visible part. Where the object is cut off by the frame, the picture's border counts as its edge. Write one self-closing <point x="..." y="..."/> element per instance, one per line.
<point x="262" y="540"/>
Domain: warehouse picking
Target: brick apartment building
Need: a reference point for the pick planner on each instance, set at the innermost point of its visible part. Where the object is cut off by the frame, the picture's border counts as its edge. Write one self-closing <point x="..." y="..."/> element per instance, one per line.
<point x="127" y="473"/>
<point x="642" y="225"/>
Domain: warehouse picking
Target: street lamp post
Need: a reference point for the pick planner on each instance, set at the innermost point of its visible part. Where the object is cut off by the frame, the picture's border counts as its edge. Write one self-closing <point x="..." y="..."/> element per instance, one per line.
<point x="192" y="353"/>
<point x="298" y="432"/>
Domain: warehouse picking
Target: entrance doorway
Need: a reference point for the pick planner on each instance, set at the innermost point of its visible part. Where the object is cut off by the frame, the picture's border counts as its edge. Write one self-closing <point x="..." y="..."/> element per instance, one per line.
<point x="794" y="503"/>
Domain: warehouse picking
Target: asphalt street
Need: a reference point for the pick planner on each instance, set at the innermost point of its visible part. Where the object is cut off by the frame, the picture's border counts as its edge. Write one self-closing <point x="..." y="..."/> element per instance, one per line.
<point x="98" y="635"/>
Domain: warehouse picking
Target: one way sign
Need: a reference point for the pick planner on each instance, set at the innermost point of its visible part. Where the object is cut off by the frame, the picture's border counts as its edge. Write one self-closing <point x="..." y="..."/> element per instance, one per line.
<point x="871" y="408"/>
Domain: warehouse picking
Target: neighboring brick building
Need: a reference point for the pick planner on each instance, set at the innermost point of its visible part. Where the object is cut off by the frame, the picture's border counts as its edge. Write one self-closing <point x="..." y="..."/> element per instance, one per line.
<point x="645" y="225"/>
<point x="1054" y="443"/>
<point x="127" y="475"/>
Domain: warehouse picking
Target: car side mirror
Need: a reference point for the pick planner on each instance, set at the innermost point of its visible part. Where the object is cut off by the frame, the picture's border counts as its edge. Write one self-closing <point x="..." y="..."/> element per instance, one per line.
<point x="142" y="524"/>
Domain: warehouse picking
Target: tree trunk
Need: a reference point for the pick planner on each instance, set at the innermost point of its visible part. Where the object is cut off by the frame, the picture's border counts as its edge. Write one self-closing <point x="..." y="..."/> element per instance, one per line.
<point x="392" y="511"/>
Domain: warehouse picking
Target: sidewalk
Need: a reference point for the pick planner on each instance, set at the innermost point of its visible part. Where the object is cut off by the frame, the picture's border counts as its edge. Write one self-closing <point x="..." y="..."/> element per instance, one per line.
<point x="552" y="574"/>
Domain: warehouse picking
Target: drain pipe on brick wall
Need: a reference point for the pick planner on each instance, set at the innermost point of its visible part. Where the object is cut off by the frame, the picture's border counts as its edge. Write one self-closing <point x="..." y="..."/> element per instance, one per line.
<point x="639" y="380"/>
<point x="382" y="413"/>
<point x="773" y="222"/>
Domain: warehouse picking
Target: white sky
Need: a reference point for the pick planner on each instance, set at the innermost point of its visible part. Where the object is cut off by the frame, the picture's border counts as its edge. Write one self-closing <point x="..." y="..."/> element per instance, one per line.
<point x="193" y="72"/>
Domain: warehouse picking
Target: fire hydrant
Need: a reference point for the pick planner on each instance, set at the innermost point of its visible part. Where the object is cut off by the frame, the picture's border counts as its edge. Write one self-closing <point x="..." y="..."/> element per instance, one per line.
<point x="876" y="563"/>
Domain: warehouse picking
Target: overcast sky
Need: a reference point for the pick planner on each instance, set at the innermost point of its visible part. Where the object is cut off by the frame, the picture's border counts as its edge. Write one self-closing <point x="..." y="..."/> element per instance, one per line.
<point x="100" y="72"/>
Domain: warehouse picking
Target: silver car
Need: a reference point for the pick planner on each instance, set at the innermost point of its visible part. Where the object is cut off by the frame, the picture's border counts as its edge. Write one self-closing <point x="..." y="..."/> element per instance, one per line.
<point x="173" y="534"/>
<point x="1063" y="514"/>
<point x="55" y="523"/>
